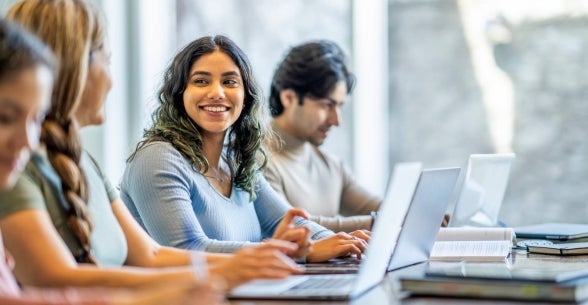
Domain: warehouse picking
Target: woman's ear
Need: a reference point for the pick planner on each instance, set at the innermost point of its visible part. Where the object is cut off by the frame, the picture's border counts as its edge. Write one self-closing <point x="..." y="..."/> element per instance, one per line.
<point x="289" y="98"/>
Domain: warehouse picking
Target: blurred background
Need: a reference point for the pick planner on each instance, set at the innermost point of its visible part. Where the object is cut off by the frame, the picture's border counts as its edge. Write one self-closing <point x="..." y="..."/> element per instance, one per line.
<point x="438" y="80"/>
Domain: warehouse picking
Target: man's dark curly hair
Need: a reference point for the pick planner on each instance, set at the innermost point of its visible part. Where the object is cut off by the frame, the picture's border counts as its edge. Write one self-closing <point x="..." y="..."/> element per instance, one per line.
<point x="312" y="69"/>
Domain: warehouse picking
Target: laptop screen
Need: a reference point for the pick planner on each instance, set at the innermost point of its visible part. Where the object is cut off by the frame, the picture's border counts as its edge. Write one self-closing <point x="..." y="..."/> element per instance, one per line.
<point x="385" y="231"/>
<point x="424" y="217"/>
<point x="482" y="190"/>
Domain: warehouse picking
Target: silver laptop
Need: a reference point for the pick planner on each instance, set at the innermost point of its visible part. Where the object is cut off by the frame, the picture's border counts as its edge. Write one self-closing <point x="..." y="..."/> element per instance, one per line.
<point x="482" y="190"/>
<point x="399" y="192"/>
<point x="375" y="264"/>
<point x="421" y="225"/>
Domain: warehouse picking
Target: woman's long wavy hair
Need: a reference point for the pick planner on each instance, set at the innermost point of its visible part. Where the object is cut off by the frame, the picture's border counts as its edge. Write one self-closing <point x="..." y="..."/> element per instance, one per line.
<point x="73" y="29"/>
<point x="245" y="151"/>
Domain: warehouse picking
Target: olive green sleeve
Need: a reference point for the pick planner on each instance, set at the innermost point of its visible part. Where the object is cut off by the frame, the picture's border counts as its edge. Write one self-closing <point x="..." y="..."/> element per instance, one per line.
<point x="26" y="194"/>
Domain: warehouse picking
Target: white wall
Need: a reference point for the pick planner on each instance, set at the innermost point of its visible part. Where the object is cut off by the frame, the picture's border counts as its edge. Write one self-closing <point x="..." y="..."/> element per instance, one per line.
<point x="370" y="98"/>
<point x="139" y="33"/>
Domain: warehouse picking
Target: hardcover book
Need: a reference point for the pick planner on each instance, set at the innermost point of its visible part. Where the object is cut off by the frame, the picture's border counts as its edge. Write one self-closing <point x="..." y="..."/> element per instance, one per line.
<point x="561" y="249"/>
<point x="526" y="279"/>
<point x="568" y="291"/>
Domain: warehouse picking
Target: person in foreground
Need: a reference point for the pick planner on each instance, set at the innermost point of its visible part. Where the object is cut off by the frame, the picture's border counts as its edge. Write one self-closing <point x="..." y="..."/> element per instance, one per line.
<point x="309" y="87"/>
<point x="26" y="79"/>
<point x="63" y="221"/>
<point x="195" y="180"/>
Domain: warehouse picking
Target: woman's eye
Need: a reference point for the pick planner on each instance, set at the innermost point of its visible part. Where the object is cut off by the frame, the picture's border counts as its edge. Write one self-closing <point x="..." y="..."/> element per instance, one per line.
<point x="232" y="83"/>
<point x="200" y="81"/>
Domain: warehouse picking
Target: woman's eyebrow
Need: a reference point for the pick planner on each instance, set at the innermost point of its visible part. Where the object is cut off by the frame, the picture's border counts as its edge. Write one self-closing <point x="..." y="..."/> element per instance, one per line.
<point x="231" y="73"/>
<point x="225" y="74"/>
<point x="200" y="73"/>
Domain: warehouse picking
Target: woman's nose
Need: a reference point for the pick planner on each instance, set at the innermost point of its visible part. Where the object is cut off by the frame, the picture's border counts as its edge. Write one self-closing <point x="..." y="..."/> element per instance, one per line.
<point x="216" y="91"/>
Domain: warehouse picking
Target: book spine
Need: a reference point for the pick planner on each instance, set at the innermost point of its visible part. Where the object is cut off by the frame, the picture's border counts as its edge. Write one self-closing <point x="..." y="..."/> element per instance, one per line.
<point x="530" y="291"/>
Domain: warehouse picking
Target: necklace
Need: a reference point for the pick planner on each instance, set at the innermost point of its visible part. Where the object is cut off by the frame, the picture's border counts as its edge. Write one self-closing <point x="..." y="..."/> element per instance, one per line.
<point x="219" y="179"/>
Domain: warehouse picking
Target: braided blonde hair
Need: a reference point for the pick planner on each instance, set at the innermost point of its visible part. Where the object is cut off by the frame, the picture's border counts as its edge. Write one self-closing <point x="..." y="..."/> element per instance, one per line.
<point x="73" y="29"/>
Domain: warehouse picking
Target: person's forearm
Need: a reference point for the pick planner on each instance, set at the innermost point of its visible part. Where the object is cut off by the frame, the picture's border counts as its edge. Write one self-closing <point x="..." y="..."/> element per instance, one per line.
<point x="343" y="223"/>
<point x="213" y="258"/>
<point x="87" y="276"/>
<point x="167" y="257"/>
<point x="67" y="296"/>
<point x="226" y="246"/>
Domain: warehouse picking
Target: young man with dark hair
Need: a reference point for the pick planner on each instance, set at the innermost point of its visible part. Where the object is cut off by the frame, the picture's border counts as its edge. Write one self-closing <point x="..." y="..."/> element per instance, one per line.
<point x="307" y="92"/>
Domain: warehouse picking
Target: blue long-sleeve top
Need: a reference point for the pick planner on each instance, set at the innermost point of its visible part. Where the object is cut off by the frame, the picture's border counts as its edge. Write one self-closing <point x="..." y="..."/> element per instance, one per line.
<point x="178" y="207"/>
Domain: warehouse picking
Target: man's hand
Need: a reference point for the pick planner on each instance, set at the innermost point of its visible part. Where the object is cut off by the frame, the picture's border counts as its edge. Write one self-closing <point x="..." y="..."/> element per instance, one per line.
<point x="340" y="244"/>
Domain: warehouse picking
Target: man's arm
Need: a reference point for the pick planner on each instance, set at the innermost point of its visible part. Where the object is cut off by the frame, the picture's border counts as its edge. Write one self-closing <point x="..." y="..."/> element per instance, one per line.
<point x="355" y="199"/>
<point x="344" y="223"/>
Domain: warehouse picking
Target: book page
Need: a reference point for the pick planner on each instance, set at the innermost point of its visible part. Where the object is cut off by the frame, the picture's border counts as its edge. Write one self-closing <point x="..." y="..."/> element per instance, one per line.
<point x="488" y="250"/>
<point x="475" y="233"/>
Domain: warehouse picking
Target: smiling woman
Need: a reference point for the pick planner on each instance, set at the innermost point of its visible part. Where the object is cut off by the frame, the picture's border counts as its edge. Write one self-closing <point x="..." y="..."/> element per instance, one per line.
<point x="214" y="95"/>
<point x="195" y="180"/>
<point x="213" y="99"/>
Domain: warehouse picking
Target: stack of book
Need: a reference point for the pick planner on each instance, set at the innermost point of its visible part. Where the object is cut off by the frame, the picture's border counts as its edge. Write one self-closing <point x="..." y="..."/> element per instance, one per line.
<point x="546" y="281"/>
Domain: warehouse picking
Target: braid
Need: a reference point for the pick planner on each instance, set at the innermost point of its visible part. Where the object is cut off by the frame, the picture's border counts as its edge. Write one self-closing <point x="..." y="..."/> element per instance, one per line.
<point x="72" y="29"/>
<point x="64" y="151"/>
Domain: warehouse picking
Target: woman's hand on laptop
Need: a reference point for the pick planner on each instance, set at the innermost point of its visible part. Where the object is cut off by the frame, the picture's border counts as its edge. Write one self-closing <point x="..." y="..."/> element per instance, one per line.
<point x="299" y="235"/>
<point x="263" y="261"/>
<point x="340" y="244"/>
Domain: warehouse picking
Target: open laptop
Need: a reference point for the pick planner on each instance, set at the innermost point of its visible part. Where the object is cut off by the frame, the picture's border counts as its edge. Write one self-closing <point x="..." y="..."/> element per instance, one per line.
<point x="378" y="255"/>
<point x="482" y="190"/>
<point x="421" y="225"/>
<point x="399" y="192"/>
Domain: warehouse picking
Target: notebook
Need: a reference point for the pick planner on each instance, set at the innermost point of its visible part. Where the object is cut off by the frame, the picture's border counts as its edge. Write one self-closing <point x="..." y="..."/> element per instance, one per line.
<point x="555" y="231"/>
<point x="379" y="253"/>
<point x="482" y="190"/>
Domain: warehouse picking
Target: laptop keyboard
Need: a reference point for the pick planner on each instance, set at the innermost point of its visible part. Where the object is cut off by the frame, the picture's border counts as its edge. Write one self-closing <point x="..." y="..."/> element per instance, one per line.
<point x="324" y="282"/>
